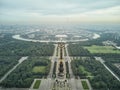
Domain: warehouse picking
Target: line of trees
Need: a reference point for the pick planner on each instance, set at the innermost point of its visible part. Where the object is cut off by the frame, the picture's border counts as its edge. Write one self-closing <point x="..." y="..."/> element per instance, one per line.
<point x="113" y="68"/>
<point x="110" y="61"/>
<point x="54" y="70"/>
<point x="67" y="69"/>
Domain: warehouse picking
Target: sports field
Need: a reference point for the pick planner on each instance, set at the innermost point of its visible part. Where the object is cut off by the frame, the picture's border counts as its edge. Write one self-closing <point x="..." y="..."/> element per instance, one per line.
<point x="102" y="49"/>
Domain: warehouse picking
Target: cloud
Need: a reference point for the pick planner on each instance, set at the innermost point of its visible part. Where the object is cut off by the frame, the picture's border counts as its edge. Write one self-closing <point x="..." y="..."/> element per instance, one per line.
<point x="43" y="10"/>
<point x="105" y="11"/>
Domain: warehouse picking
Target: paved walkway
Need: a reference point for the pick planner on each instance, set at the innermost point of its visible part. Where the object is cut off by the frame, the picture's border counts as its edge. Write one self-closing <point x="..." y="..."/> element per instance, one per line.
<point x="75" y="84"/>
<point x="54" y="58"/>
<point x="11" y="70"/>
<point x="69" y="61"/>
<point x="46" y="84"/>
<point x="102" y="62"/>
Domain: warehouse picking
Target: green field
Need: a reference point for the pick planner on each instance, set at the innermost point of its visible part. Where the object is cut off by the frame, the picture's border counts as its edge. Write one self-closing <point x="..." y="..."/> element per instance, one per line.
<point x="37" y="84"/>
<point x="102" y="49"/>
<point x="38" y="69"/>
<point x="85" y="85"/>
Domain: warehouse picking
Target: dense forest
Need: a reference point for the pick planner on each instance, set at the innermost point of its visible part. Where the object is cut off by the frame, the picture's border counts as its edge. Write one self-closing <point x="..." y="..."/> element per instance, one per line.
<point x="7" y="62"/>
<point x="99" y="77"/>
<point x="110" y="62"/>
<point x="12" y="50"/>
<point x="21" y="48"/>
<point x="38" y="64"/>
<point x="87" y="67"/>
<point x="77" y="50"/>
<point x="25" y="73"/>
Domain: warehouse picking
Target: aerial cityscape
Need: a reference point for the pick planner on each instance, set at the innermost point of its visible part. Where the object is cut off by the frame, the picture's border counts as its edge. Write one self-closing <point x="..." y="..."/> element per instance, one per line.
<point x="59" y="45"/>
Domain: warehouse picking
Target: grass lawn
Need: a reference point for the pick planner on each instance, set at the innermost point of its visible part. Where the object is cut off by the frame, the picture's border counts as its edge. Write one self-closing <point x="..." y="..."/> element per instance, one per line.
<point x="102" y="49"/>
<point x="85" y="85"/>
<point x="37" y="84"/>
<point x="38" y="69"/>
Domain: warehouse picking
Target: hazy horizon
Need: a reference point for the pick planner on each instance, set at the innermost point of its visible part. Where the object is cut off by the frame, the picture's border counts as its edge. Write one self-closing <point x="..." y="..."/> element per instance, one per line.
<point x="60" y="11"/>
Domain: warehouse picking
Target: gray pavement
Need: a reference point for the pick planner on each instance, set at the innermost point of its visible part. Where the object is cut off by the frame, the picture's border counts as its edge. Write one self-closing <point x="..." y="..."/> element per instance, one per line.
<point x="75" y="84"/>
<point x="46" y="84"/>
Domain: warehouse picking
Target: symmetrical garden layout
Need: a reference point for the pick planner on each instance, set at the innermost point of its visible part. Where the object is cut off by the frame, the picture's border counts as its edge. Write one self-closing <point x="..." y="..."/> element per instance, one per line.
<point x="60" y="76"/>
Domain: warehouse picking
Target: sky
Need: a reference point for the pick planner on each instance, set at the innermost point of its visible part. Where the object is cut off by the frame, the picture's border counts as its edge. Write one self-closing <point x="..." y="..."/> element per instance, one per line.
<point x="59" y="11"/>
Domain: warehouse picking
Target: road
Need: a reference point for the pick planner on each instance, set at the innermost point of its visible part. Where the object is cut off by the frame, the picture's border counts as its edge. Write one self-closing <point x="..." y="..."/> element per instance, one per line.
<point x="18" y="37"/>
<point x="75" y="84"/>
<point x="54" y="58"/>
<point x="102" y="62"/>
<point x="69" y="61"/>
<point x="19" y="62"/>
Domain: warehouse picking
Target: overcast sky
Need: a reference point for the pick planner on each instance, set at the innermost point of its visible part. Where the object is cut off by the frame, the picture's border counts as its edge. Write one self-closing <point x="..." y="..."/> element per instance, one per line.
<point x="59" y="11"/>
